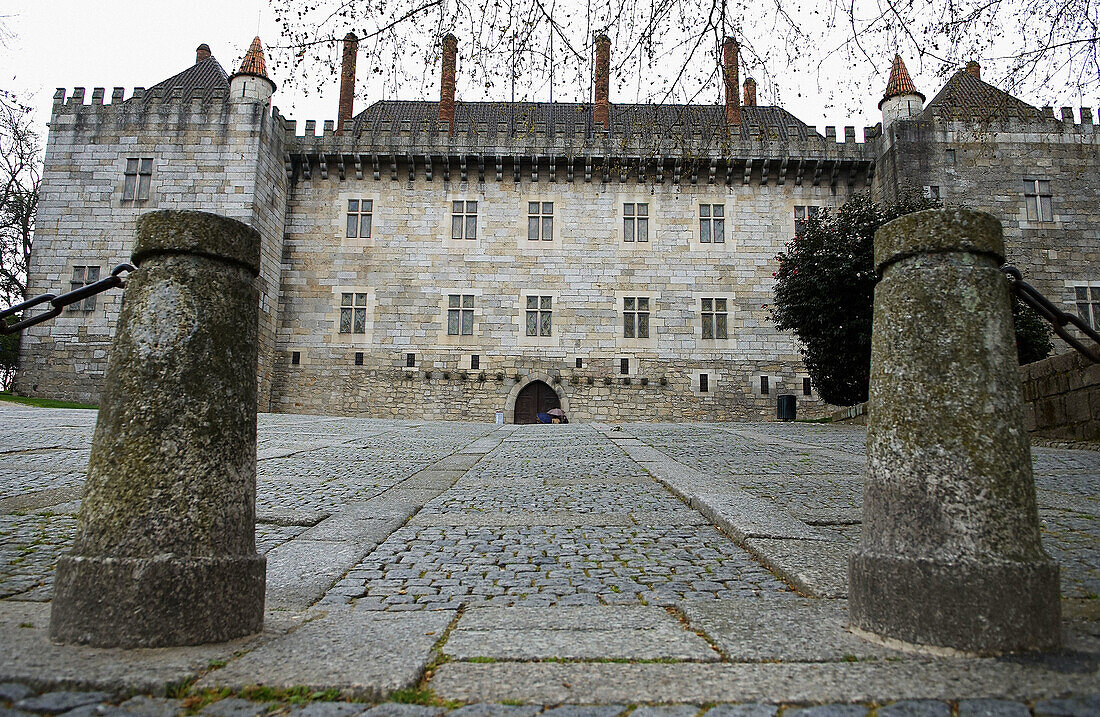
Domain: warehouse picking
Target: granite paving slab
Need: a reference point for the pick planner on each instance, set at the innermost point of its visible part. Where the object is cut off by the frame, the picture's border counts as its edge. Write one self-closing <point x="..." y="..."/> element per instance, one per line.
<point x="842" y="682"/>
<point x="804" y="630"/>
<point x="817" y="568"/>
<point x="575" y="633"/>
<point x="28" y="657"/>
<point x="362" y="654"/>
<point x="300" y="571"/>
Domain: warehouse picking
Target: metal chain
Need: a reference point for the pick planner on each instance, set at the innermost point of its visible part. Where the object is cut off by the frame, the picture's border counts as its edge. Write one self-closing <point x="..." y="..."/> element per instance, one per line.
<point x="1058" y="318"/>
<point x="57" y="303"/>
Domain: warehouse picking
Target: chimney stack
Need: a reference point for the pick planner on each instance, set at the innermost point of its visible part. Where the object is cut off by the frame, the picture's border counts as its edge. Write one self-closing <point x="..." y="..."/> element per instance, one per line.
<point x="347" y="81"/>
<point x="601" y="112"/>
<point x="730" y="52"/>
<point x="447" y="82"/>
<point x="973" y="68"/>
<point x="750" y="92"/>
<point x="202" y="52"/>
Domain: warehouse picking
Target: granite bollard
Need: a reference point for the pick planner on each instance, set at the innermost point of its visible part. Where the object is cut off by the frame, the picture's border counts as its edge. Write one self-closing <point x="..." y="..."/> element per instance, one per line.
<point x="165" y="550"/>
<point x="950" y="557"/>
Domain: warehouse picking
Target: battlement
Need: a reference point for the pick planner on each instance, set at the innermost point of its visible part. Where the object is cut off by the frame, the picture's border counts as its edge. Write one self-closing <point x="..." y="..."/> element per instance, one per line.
<point x="403" y="137"/>
<point x="1081" y="120"/>
<point x="142" y="106"/>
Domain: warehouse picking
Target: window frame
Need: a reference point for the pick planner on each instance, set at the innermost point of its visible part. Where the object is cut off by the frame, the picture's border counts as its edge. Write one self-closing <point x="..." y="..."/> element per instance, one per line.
<point x="542" y="310"/>
<point x="706" y="218"/>
<point x="719" y="318"/>
<point x="358" y="213"/>
<point x="137" y="179"/>
<point x="635" y="223"/>
<point x="467" y="220"/>
<point x="460" y="309"/>
<point x="632" y="317"/>
<point x="544" y="231"/>
<point x="83" y="276"/>
<point x="803" y="213"/>
<point x="1091" y="302"/>
<point x="1035" y="209"/>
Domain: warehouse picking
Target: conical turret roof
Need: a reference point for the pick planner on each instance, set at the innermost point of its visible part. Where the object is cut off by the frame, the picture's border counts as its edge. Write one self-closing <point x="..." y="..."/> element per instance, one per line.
<point x="253" y="63"/>
<point x="899" y="83"/>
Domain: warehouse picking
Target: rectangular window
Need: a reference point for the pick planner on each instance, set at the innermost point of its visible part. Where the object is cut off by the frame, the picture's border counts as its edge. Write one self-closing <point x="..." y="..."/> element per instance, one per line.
<point x="704" y="383"/>
<point x="475" y="362"/>
<point x="359" y="218"/>
<point x="358" y="358"/>
<point x="636" y="317"/>
<point x="295" y="358"/>
<point x="715" y="317"/>
<point x="1087" y="299"/>
<point x="138" y="176"/>
<point x="802" y="214"/>
<point x="1037" y="198"/>
<point x="807" y="388"/>
<point x="539" y="315"/>
<point x="931" y="191"/>
<point x="636" y="222"/>
<point x="410" y="360"/>
<point x="460" y="314"/>
<point x="463" y="220"/>
<point x="712" y="223"/>
<point x="540" y="221"/>
<point x="580" y="363"/>
<point x="624" y="366"/>
<point x="353" y="313"/>
<point x="82" y="276"/>
<point x="950" y="156"/>
<point x="763" y="385"/>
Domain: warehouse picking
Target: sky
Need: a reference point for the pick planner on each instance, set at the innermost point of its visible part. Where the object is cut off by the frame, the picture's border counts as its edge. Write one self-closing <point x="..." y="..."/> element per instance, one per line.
<point x="125" y="43"/>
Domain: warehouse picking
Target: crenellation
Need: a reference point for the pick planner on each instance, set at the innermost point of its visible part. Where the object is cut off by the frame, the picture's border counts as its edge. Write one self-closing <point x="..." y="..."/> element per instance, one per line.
<point x="77" y="97"/>
<point x="117" y="95"/>
<point x="97" y="96"/>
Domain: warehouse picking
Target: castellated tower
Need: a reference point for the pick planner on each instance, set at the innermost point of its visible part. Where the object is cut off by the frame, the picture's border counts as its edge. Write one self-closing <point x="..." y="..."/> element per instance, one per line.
<point x="198" y="140"/>
<point x="902" y="100"/>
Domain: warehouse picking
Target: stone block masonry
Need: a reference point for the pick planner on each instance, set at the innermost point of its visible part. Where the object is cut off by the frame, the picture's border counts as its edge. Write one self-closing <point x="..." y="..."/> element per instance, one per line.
<point x="1062" y="397"/>
<point x="210" y="153"/>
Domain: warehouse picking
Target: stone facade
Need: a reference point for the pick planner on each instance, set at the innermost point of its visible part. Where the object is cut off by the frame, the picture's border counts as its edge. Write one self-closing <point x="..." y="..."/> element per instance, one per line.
<point x="230" y="152"/>
<point x="1062" y="397"/>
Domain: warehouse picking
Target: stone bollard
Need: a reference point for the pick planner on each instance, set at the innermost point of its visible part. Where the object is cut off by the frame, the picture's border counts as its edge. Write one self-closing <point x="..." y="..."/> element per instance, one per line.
<point x="165" y="551"/>
<point x="950" y="555"/>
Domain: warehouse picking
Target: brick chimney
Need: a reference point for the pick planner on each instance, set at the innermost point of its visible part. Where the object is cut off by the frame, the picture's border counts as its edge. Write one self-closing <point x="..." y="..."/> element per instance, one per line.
<point x="750" y="92"/>
<point x="347" y="81"/>
<point x="973" y="68"/>
<point x="447" y="82"/>
<point x="601" y="112"/>
<point x="730" y="52"/>
<point x="202" y="52"/>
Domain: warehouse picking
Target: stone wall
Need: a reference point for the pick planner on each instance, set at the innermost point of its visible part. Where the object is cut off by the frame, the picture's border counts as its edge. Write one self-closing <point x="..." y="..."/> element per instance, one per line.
<point x="983" y="166"/>
<point x="206" y="155"/>
<point x="1062" y="397"/>
<point x="410" y="264"/>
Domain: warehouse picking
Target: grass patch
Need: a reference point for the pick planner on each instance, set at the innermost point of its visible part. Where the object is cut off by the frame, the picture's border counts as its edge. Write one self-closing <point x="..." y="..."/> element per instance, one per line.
<point x="421" y="696"/>
<point x="42" y="402"/>
<point x="193" y="702"/>
<point x="482" y="659"/>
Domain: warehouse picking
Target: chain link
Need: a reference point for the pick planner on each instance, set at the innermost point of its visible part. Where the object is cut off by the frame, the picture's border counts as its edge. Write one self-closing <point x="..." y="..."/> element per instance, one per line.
<point x="58" y="303"/>
<point x="1058" y="318"/>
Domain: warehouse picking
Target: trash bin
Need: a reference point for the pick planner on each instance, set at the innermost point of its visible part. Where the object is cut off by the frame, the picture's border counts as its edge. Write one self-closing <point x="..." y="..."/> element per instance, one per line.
<point x="786" y="408"/>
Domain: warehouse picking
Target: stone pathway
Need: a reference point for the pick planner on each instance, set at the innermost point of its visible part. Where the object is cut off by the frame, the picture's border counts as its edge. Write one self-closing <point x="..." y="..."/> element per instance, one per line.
<point x="518" y="568"/>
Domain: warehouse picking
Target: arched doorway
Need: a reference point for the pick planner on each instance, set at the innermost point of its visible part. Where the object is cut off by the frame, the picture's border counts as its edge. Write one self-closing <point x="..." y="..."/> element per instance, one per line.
<point x="536" y="397"/>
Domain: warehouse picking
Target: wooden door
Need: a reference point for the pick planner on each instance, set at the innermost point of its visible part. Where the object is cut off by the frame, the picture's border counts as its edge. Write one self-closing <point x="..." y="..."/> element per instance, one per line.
<point x="536" y="397"/>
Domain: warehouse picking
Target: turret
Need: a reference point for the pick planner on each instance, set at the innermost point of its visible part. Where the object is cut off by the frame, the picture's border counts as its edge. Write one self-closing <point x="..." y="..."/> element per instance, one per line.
<point x="251" y="83"/>
<point x="902" y="100"/>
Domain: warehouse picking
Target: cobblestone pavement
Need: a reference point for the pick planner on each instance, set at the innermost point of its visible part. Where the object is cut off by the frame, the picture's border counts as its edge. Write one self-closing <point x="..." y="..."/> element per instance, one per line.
<point x="576" y="564"/>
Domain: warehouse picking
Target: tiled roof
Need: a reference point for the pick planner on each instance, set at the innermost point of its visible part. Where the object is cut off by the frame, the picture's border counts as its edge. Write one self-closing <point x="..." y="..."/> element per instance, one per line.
<point x="253" y="63"/>
<point x="570" y="118"/>
<point x="204" y="75"/>
<point x="966" y="97"/>
<point x="899" y="83"/>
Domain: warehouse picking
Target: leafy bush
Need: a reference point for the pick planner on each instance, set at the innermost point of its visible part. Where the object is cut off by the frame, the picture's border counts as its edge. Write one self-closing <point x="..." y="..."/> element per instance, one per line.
<point x="824" y="293"/>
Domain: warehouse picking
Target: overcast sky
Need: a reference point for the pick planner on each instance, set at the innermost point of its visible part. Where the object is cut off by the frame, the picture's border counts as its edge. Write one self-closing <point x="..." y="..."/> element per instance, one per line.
<point x="127" y="43"/>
